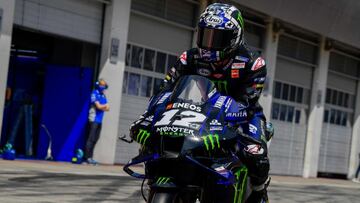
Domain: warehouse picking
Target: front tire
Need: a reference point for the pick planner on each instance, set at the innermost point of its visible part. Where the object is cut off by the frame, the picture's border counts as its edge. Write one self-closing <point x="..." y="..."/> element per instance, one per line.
<point x="166" y="197"/>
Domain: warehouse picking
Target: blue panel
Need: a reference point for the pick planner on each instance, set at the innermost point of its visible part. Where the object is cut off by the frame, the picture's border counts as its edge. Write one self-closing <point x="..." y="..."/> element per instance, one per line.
<point x="64" y="112"/>
<point x="25" y="79"/>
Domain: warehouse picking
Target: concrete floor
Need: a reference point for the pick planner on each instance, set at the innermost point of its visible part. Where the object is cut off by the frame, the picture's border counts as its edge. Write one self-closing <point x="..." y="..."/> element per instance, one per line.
<point x="39" y="181"/>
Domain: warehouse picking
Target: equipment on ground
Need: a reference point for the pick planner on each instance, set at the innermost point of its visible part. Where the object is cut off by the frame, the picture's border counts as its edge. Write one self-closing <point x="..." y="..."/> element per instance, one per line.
<point x="49" y="156"/>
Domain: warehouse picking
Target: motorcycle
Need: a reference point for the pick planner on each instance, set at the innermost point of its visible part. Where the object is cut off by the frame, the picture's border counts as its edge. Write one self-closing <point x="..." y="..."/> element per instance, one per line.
<point x="189" y="137"/>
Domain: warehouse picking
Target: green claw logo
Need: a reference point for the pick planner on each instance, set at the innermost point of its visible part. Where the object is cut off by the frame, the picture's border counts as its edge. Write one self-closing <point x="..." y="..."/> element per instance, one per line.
<point x="239" y="18"/>
<point x="212" y="139"/>
<point x="239" y="187"/>
<point x="162" y="180"/>
<point x="142" y="136"/>
<point x="221" y="85"/>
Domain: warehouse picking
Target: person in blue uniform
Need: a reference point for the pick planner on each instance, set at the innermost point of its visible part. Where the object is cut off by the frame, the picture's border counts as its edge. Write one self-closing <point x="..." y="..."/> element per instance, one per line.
<point x="98" y="106"/>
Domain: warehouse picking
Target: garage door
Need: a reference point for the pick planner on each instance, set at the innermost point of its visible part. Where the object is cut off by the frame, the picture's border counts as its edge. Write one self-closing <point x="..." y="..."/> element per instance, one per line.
<point x="338" y="115"/>
<point x="78" y="19"/>
<point x="290" y="106"/>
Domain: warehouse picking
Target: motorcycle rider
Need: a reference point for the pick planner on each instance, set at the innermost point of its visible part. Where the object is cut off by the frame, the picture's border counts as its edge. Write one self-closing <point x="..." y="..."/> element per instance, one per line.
<point x="222" y="56"/>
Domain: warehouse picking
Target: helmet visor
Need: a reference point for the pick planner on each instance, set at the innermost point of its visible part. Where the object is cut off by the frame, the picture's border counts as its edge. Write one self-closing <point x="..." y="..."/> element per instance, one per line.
<point x="214" y="39"/>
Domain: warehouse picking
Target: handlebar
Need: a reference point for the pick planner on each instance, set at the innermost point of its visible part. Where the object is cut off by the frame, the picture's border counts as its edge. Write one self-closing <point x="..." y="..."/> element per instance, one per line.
<point x="123" y="138"/>
<point x="226" y="177"/>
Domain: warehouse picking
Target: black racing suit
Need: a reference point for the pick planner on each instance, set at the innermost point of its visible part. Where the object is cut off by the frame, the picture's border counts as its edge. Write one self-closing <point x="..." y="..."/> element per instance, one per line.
<point x="242" y="78"/>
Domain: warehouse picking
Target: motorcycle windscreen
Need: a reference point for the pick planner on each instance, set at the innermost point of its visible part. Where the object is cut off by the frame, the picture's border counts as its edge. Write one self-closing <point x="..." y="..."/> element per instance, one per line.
<point x="193" y="89"/>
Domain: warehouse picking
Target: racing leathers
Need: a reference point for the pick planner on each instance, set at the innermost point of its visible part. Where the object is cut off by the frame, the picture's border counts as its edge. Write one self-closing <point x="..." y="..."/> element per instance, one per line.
<point x="242" y="77"/>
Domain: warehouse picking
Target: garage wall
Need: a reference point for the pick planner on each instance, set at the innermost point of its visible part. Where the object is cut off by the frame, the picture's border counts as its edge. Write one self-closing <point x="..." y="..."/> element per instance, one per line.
<point x="344" y="84"/>
<point x="157" y="34"/>
<point x="297" y="73"/>
<point x="337" y="19"/>
<point x="78" y="19"/>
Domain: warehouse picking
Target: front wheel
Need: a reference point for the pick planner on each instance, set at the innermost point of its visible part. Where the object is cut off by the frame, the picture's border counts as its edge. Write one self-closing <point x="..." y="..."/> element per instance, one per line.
<point x="165" y="197"/>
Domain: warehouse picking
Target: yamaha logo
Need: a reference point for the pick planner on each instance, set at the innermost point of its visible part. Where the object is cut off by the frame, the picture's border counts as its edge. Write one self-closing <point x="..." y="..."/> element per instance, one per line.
<point x="213" y="20"/>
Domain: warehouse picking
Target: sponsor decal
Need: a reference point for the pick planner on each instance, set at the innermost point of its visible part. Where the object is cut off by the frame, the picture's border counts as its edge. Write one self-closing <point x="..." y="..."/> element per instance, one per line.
<point x="260" y="80"/>
<point x="204" y="72"/>
<point x="213" y="20"/>
<point x="253" y="129"/>
<point x="164" y="97"/>
<point x="212" y="93"/>
<point x="215" y="122"/>
<point x="149" y="118"/>
<point x="241" y="105"/>
<point x="215" y="125"/>
<point x="238" y="65"/>
<point x="220" y="169"/>
<point x="205" y="54"/>
<point x="235" y="73"/>
<point x="229" y="25"/>
<point x="145" y="123"/>
<point x="218" y="75"/>
<point x="219" y="102"/>
<point x="194" y="126"/>
<point x="174" y="131"/>
<point x="259" y="62"/>
<point x="226" y="66"/>
<point x="239" y="114"/>
<point x="254" y="149"/>
<point x="227" y="105"/>
<point x="257" y="86"/>
<point x="183" y="58"/>
<point x="142" y="136"/>
<point x="168" y="77"/>
<point x="162" y="180"/>
<point x="242" y="58"/>
<point x="216" y="128"/>
<point x="211" y="141"/>
<point x="183" y="106"/>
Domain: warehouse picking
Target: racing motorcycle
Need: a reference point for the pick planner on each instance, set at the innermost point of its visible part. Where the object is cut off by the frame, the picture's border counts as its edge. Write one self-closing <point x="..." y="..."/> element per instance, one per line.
<point x="189" y="137"/>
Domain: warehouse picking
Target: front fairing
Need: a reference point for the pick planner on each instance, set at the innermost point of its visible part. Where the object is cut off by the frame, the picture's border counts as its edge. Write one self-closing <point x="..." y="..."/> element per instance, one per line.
<point x="186" y="134"/>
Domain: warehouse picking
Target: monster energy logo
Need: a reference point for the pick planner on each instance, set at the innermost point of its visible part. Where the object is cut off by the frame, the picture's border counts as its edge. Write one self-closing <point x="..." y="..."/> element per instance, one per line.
<point x="142" y="136"/>
<point x="241" y="175"/>
<point x="241" y="20"/>
<point x="162" y="180"/>
<point x="221" y="85"/>
<point x="211" y="139"/>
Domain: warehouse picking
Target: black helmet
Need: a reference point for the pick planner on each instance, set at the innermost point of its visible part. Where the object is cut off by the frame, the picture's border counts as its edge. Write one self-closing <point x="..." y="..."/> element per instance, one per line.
<point x="220" y="31"/>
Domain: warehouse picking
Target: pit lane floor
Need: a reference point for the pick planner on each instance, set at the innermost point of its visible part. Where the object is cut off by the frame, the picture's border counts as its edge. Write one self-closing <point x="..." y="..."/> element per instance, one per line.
<point x="40" y="182"/>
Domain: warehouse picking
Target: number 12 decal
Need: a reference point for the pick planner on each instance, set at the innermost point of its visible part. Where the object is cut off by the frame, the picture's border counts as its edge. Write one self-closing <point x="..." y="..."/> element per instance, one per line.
<point x="186" y="118"/>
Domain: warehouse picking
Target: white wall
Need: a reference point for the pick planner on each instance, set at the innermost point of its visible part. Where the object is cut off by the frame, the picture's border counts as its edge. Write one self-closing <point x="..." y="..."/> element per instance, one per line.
<point x="78" y="19"/>
<point x="154" y="33"/>
<point x="5" y="45"/>
<point x="337" y="19"/>
<point x="117" y="23"/>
